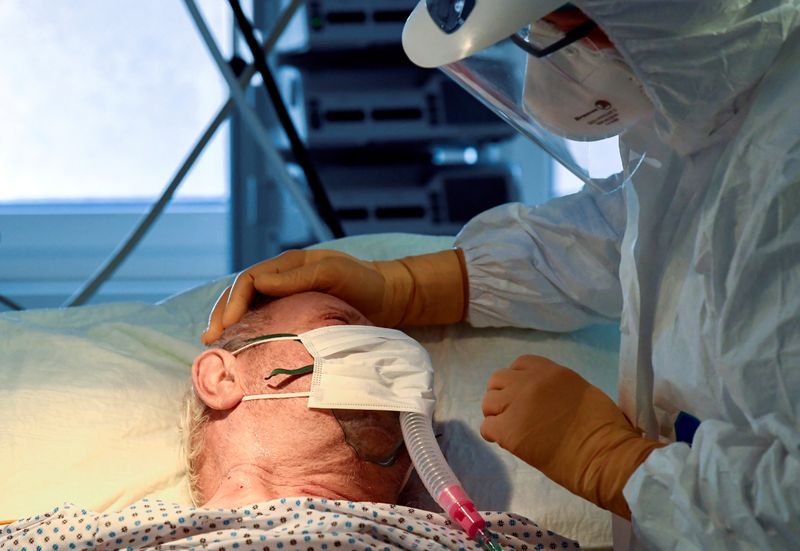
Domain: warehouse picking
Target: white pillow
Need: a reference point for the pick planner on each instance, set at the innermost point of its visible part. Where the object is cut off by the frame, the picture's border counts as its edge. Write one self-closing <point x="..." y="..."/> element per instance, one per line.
<point x="90" y="399"/>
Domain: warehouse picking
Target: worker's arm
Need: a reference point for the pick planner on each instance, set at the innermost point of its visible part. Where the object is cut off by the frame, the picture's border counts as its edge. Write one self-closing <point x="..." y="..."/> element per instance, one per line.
<point x="738" y="486"/>
<point x="550" y="267"/>
<point x="553" y="267"/>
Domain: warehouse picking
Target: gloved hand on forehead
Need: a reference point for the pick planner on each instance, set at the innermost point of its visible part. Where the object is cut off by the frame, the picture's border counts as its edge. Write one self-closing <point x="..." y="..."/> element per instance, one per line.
<point x="556" y="421"/>
<point x="416" y="290"/>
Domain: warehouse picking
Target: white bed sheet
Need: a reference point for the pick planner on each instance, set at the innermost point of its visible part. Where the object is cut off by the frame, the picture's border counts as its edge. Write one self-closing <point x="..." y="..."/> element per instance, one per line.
<point x="90" y="397"/>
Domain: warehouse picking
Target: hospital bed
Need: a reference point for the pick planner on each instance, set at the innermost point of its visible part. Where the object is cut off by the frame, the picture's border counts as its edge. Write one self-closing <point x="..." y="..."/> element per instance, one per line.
<point x="90" y="399"/>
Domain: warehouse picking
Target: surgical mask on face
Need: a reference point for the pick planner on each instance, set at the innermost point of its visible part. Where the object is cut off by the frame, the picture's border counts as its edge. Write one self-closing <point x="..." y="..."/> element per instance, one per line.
<point x="362" y="368"/>
<point x="581" y="92"/>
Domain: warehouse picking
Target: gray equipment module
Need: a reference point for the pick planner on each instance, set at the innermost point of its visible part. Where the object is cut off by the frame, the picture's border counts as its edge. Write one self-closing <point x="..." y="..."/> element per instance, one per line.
<point x="354" y="107"/>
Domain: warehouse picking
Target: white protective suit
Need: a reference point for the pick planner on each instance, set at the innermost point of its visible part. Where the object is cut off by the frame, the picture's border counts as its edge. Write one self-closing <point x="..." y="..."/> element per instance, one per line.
<point x="698" y="255"/>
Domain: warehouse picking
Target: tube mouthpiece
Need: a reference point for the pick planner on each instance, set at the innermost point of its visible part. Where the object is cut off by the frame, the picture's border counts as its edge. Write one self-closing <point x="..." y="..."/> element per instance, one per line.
<point x="454" y="500"/>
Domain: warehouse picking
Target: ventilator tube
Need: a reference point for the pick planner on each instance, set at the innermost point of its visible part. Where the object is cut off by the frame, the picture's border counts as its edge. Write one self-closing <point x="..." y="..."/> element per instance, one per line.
<point x="439" y="479"/>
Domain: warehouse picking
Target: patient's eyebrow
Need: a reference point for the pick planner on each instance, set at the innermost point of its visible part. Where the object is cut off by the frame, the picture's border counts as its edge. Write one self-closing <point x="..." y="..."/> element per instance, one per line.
<point x="344" y="311"/>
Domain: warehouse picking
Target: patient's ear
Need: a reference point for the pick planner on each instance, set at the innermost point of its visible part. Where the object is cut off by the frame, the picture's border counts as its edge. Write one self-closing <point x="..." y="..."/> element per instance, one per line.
<point x="215" y="380"/>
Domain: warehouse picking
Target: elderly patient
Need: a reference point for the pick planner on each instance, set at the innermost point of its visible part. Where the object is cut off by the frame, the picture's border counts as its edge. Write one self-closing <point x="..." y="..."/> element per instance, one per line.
<point x="245" y="452"/>
<point x="273" y="474"/>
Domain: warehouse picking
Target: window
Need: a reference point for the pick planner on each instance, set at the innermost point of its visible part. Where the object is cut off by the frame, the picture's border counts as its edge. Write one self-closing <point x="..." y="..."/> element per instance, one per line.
<point x="605" y="162"/>
<point x="101" y="102"/>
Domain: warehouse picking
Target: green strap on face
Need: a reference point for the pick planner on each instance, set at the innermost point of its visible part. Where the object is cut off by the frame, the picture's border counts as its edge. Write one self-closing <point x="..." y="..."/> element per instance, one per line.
<point x="299" y="371"/>
<point x="266" y="338"/>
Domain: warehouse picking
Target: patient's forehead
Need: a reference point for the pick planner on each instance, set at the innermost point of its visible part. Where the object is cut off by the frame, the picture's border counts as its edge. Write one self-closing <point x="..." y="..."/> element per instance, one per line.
<point x="310" y="310"/>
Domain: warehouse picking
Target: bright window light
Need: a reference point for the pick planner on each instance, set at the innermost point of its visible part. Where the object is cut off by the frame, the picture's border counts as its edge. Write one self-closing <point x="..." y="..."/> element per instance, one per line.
<point x="102" y="100"/>
<point x="605" y="161"/>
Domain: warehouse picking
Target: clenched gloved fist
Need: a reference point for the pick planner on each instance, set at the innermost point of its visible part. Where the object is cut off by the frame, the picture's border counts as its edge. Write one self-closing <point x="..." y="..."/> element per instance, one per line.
<point x="415" y="290"/>
<point x="556" y="421"/>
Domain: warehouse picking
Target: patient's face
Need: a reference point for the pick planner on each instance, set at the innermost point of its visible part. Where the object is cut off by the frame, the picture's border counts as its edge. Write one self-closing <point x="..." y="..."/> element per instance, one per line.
<point x="288" y="429"/>
<point x="293" y="314"/>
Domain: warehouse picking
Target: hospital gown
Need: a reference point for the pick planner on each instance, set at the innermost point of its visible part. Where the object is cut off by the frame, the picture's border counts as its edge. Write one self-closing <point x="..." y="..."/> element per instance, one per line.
<point x="284" y="524"/>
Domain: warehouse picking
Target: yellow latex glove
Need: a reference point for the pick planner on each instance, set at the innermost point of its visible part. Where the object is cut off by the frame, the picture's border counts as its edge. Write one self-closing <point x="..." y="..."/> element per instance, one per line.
<point x="416" y="290"/>
<point x="556" y="421"/>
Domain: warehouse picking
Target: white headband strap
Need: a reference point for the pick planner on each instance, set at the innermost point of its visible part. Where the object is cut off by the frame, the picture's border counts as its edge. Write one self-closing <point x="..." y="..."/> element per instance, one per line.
<point x="262" y="341"/>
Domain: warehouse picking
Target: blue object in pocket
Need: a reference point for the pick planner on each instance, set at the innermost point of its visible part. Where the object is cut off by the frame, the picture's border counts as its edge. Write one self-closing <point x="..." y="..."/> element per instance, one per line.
<point x="685" y="426"/>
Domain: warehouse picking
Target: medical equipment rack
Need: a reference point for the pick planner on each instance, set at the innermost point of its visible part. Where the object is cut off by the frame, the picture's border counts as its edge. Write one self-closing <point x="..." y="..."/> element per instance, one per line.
<point x="353" y="96"/>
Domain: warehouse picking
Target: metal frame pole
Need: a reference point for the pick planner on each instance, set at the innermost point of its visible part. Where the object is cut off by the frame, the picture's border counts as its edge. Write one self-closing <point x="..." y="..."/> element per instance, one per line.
<point x="118" y="256"/>
<point x="260" y="134"/>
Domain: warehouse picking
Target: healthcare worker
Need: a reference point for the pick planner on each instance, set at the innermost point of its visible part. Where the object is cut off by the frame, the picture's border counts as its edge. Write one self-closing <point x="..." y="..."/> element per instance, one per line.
<point x="694" y="247"/>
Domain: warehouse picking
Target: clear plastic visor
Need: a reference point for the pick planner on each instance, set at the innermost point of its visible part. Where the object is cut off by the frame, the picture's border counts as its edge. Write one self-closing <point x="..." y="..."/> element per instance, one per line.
<point x="571" y="102"/>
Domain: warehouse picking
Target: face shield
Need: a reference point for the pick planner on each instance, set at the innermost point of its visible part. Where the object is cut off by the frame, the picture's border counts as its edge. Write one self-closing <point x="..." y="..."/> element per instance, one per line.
<point x="551" y="81"/>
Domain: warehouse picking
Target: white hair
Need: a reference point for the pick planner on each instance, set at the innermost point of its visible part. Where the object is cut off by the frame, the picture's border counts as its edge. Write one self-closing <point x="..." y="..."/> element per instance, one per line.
<point x="194" y="417"/>
<point x="196" y="414"/>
